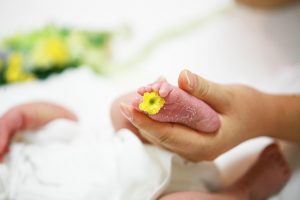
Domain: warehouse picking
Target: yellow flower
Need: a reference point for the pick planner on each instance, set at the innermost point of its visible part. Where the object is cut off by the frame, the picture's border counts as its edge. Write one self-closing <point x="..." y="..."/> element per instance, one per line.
<point x="14" y="71"/>
<point x="152" y="103"/>
<point x="50" y="51"/>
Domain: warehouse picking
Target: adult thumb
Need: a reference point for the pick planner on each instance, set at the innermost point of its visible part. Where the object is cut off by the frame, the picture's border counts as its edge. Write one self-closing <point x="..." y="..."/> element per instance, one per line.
<point x="214" y="94"/>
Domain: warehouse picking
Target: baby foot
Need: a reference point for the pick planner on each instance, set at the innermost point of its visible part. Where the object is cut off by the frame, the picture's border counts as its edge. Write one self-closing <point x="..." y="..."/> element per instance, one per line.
<point x="180" y="107"/>
<point x="266" y="177"/>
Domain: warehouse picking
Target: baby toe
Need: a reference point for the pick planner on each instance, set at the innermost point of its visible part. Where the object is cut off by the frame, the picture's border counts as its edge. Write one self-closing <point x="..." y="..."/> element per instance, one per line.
<point x="156" y="86"/>
<point x="141" y="90"/>
<point x="165" y="89"/>
<point x="148" y="88"/>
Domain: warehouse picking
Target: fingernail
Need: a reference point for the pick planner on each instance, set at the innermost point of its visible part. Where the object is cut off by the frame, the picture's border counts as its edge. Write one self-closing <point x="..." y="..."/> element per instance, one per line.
<point x="190" y="79"/>
<point x="125" y="110"/>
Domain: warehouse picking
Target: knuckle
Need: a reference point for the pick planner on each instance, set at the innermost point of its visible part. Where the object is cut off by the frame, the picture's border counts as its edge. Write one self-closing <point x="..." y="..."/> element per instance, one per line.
<point x="195" y="159"/>
<point x="202" y="155"/>
<point x="163" y="139"/>
<point x="202" y="88"/>
<point x="210" y="157"/>
<point x="164" y="136"/>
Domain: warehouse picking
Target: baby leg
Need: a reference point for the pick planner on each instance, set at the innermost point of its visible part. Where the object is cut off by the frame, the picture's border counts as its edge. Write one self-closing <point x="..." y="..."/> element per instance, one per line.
<point x="198" y="196"/>
<point x="28" y="116"/>
<point x="180" y="107"/>
<point x="265" y="178"/>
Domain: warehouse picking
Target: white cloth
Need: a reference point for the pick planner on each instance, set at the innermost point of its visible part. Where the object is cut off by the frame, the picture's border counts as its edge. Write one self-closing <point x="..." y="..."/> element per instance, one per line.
<point x="63" y="162"/>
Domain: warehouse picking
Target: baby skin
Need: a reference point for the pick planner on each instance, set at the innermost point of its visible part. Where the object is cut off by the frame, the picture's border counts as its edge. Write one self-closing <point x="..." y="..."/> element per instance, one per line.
<point x="180" y="107"/>
<point x="266" y="177"/>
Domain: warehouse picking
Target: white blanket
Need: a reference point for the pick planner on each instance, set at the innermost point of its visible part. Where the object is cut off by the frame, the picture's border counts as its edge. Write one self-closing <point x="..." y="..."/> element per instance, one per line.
<point x="61" y="161"/>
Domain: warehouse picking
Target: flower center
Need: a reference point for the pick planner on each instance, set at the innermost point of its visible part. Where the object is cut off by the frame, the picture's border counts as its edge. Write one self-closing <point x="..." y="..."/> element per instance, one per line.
<point x="152" y="101"/>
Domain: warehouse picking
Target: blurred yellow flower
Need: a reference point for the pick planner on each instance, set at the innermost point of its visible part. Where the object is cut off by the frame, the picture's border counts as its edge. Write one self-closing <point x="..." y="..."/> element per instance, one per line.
<point x="152" y="103"/>
<point x="14" y="71"/>
<point x="50" y="51"/>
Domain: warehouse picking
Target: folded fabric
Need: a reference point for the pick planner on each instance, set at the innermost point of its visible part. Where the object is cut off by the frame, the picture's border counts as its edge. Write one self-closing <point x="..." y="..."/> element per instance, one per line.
<point x="68" y="161"/>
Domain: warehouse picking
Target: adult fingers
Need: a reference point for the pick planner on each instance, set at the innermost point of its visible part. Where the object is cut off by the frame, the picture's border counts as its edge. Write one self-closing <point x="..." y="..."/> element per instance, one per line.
<point x="216" y="95"/>
<point x="184" y="141"/>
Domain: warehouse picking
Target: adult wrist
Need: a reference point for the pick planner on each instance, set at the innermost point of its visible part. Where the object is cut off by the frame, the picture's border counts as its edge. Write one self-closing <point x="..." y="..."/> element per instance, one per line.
<point x="284" y="117"/>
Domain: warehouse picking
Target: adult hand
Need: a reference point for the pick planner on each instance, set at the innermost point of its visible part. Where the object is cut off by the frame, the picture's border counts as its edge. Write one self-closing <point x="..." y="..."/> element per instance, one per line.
<point x="244" y="113"/>
<point x="26" y="117"/>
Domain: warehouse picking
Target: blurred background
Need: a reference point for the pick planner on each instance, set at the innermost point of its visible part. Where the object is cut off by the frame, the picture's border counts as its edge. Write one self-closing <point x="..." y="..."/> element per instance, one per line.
<point x="219" y="40"/>
<point x="111" y="47"/>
